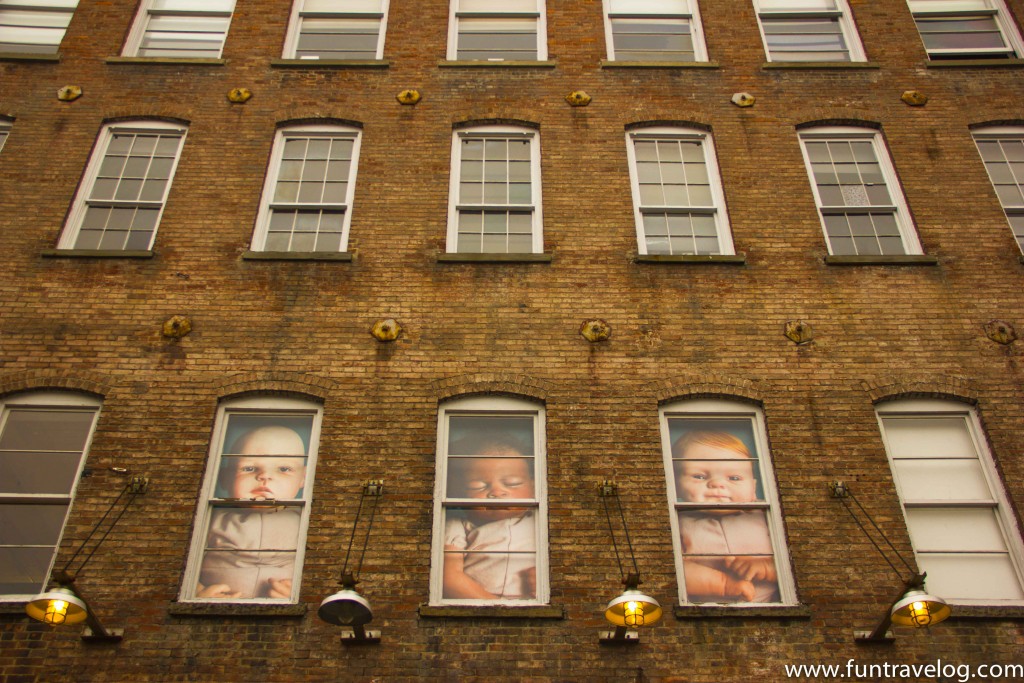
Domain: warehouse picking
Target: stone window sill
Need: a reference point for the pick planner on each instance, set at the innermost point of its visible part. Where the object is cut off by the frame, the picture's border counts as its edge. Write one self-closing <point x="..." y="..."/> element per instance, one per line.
<point x="28" y="57"/>
<point x="719" y="611"/>
<point x="177" y="61"/>
<point x="492" y="612"/>
<point x="13" y="607"/>
<point x="97" y="253"/>
<point x="893" y="260"/>
<point x="494" y="258"/>
<point x="613" y="64"/>
<point x="944" y="63"/>
<point x="721" y="259"/>
<point x="841" y="66"/>
<point x="486" y="64"/>
<point x="206" y="609"/>
<point x="330" y="63"/>
<point x="344" y="256"/>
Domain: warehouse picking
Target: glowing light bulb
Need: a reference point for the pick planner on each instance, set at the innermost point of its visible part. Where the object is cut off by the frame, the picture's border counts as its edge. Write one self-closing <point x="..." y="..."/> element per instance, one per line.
<point x="56" y="612"/>
<point x="634" y="613"/>
<point x="920" y="613"/>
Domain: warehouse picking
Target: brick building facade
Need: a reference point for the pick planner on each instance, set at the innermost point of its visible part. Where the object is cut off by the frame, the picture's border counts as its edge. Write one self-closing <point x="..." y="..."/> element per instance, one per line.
<point x="908" y="331"/>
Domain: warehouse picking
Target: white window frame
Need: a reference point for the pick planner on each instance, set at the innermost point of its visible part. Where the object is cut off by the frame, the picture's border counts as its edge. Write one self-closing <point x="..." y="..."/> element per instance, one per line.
<point x="31" y="26"/>
<point x="655" y="10"/>
<point x="267" y="205"/>
<point x="955" y="9"/>
<point x="804" y="9"/>
<point x="259" y="406"/>
<point x="5" y="130"/>
<point x="717" y="209"/>
<point x="82" y="200"/>
<point x="998" y="502"/>
<point x="487" y="406"/>
<point x="898" y="208"/>
<point x="343" y="9"/>
<point x="486" y="9"/>
<point x="455" y="206"/>
<point x="731" y="410"/>
<point x="190" y="9"/>
<point x="57" y="401"/>
<point x="996" y="133"/>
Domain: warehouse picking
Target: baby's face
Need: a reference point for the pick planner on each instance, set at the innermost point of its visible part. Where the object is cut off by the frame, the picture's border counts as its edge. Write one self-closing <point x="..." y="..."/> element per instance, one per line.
<point x="710" y="474"/>
<point x="264" y="478"/>
<point x="497" y="479"/>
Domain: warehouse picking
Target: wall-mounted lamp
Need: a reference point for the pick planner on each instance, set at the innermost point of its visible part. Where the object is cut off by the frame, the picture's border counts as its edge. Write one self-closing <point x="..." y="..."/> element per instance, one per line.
<point x="633" y="609"/>
<point x="913" y="606"/>
<point x="65" y="604"/>
<point x="347" y="607"/>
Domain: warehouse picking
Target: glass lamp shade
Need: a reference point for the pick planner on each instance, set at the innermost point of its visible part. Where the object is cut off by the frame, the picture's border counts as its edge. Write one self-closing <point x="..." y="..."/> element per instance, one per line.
<point x="919" y="609"/>
<point x="57" y="607"/>
<point x="633" y="609"/>
<point x="345" y="608"/>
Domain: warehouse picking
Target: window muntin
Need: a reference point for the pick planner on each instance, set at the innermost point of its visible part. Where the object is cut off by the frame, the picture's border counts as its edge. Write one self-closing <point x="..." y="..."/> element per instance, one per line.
<point x="495" y="191"/>
<point x="125" y="187"/>
<point x="808" y="31"/>
<point x="956" y="510"/>
<point x="1002" y="150"/>
<point x="678" y="202"/>
<point x="307" y="197"/>
<point x="510" y="30"/>
<point x="44" y="437"/>
<point x="5" y="129"/>
<point x="726" y="527"/>
<point x="34" y="26"/>
<point x="653" y="31"/>
<point x="490" y="504"/>
<point x="180" y="28"/>
<point x="337" y="29"/>
<point x="250" y="531"/>
<point x="861" y="207"/>
<point x="958" y="29"/>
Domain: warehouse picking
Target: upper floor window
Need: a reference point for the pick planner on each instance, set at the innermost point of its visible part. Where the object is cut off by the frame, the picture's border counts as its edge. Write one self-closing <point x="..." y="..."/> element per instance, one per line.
<point x="1002" y="150"/>
<point x="250" y="530"/>
<point x="495" y="191"/>
<point x="966" y="29"/>
<point x="859" y="200"/>
<point x="490" y="504"/>
<point x="5" y="128"/>
<point x="180" y="28"/>
<point x="808" y="31"/>
<point x="653" y="31"/>
<point x="498" y="30"/>
<point x="960" y="522"/>
<point x="122" y="195"/>
<point x="678" y="201"/>
<point x="307" y="197"/>
<point x="44" y="438"/>
<point x="34" y="26"/>
<point x="726" y="526"/>
<point x="337" y="29"/>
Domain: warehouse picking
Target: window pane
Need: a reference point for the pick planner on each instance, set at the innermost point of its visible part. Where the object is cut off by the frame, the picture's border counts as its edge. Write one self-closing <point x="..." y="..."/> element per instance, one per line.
<point x="961" y="33"/>
<point x="805" y="39"/>
<point x="338" y="38"/>
<point x="928" y="437"/>
<point x="24" y="570"/>
<point x="494" y="546"/>
<point x="955" y="529"/>
<point x="728" y="557"/>
<point x="971" y="577"/>
<point x="652" y="40"/>
<point x="502" y="39"/>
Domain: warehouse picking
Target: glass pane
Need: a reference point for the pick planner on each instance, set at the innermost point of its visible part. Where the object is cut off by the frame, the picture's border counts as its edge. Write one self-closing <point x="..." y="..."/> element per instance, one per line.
<point x="715" y="461"/>
<point x="492" y="548"/>
<point x="51" y="472"/>
<point x="971" y="577"/>
<point x="46" y="429"/>
<point x="471" y="434"/>
<point x="31" y="524"/>
<point x="727" y="556"/>
<point x="24" y="570"/>
<point x="928" y="437"/>
<point x="955" y="529"/>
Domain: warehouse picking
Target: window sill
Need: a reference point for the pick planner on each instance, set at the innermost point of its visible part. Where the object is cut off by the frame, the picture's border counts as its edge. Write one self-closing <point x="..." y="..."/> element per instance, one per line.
<point x="892" y="260"/>
<point x="491" y="612"/>
<point x="206" y="609"/>
<point x="613" y="64"/>
<point x="13" y="607"/>
<point x="986" y="612"/>
<point x="722" y="259"/>
<point x="97" y="253"/>
<point x="494" y="258"/>
<point x="28" y="57"/>
<point x="840" y="66"/>
<point x="718" y="611"/>
<point x="345" y="256"/>
<point x="486" y="64"/>
<point x="330" y="63"/>
<point x="177" y="61"/>
<point x="944" y="63"/>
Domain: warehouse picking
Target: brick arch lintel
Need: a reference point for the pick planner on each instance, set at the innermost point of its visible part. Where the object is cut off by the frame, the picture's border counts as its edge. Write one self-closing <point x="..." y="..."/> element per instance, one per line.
<point x="78" y="380"/>
<point x="280" y="383"/>
<point x="491" y="383"/>
<point x="923" y="386"/>
<point x="710" y="385"/>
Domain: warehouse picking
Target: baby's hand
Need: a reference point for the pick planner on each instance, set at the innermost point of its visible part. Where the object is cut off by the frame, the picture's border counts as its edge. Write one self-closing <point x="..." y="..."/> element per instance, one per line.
<point x="752" y="568"/>
<point x="740" y="589"/>
<point x="217" y="590"/>
<point x="280" y="588"/>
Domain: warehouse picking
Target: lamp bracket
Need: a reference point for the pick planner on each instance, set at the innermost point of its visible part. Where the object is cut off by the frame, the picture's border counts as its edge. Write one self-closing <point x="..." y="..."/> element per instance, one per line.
<point x="357" y="635"/>
<point x="620" y="636"/>
<point x="110" y="635"/>
<point x="373" y="487"/>
<point x="869" y="638"/>
<point x="608" y="488"/>
<point x="839" y="489"/>
<point x="138" y="485"/>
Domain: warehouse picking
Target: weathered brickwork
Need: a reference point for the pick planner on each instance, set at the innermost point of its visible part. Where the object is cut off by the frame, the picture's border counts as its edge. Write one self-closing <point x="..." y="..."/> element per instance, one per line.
<point x="679" y="330"/>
